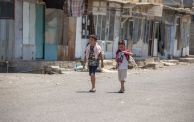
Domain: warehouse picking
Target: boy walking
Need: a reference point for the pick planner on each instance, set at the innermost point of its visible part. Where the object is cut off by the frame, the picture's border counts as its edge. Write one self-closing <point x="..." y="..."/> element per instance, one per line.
<point x="93" y="54"/>
<point x="122" y="59"/>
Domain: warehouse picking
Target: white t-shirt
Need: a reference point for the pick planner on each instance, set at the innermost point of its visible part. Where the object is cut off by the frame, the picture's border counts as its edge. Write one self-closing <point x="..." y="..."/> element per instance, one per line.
<point x="124" y="64"/>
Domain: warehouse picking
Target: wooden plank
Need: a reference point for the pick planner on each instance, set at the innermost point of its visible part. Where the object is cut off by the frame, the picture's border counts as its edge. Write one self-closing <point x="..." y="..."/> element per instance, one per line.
<point x="70" y="55"/>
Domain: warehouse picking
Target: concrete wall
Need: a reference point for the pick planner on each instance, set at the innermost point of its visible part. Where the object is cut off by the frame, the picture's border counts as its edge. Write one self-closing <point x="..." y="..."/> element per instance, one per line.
<point x="78" y="44"/>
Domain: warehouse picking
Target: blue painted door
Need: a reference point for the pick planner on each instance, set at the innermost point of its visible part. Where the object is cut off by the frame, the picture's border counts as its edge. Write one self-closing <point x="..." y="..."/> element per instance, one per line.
<point x="51" y="34"/>
<point x="40" y="31"/>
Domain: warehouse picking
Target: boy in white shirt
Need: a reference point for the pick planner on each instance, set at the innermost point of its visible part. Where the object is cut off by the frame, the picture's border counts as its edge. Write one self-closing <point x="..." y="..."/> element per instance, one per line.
<point x="122" y="59"/>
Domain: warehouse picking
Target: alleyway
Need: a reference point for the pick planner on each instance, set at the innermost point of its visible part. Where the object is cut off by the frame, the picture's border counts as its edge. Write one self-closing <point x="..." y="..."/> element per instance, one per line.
<point x="164" y="95"/>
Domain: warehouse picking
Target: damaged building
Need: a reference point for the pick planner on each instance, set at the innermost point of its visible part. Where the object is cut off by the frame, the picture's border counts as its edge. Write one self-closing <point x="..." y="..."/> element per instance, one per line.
<point x="48" y="30"/>
<point x="33" y="30"/>
<point x="150" y="28"/>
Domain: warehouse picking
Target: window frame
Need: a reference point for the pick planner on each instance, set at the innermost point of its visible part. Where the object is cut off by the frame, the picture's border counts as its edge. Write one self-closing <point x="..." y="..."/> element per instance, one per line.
<point x="11" y="2"/>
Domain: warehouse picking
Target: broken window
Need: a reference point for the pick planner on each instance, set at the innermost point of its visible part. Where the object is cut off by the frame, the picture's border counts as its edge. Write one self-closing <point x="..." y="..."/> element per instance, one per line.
<point x="111" y="15"/>
<point x="6" y="9"/>
<point x="126" y="29"/>
<point x="85" y="32"/>
<point x="88" y="26"/>
<point x="146" y="31"/>
<point x="137" y="30"/>
<point x="104" y="25"/>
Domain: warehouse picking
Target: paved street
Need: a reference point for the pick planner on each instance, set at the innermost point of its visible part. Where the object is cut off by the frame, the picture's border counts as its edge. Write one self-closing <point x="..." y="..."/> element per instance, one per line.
<point x="164" y="95"/>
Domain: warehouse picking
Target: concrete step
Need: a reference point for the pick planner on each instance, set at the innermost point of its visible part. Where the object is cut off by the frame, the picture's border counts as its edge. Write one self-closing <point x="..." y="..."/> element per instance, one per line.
<point x="188" y="60"/>
<point x="191" y="56"/>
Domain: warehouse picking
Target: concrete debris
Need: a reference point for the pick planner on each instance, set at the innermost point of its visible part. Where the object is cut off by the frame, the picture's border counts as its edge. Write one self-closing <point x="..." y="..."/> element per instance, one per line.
<point x="108" y="62"/>
<point x="152" y="65"/>
<point x="52" y="70"/>
<point x="170" y="62"/>
<point x="63" y="66"/>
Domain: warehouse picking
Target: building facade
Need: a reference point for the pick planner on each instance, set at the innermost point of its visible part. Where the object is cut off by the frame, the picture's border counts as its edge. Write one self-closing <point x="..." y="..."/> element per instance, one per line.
<point x="33" y="30"/>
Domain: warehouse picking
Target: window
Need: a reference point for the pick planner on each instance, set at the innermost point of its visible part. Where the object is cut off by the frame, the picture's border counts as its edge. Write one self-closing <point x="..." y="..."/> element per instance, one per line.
<point x="105" y="26"/>
<point x="126" y="29"/>
<point x="100" y="23"/>
<point x="85" y="31"/>
<point x="6" y="9"/>
<point x="88" y="26"/>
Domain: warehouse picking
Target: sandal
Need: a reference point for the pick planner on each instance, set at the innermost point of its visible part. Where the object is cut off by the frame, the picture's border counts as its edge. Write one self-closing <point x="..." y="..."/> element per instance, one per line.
<point x="92" y="90"/>
<point x="121" y="91"/>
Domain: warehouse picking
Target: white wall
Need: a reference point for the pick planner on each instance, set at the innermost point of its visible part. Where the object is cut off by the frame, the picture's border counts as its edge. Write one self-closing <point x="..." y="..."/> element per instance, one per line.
<point x="78" y="43"/>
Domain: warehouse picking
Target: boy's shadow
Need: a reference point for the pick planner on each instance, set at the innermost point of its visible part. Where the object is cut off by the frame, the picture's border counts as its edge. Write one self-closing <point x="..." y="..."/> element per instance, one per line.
<point x="82" y="92"/>
<point x="112" y="92"/>
<point x="91" y="92"/>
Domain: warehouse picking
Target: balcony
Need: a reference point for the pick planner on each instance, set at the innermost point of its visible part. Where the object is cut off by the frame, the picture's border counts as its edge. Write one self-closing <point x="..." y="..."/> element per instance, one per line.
<point x="179" y="3"/>
<point x="139" y="1"/>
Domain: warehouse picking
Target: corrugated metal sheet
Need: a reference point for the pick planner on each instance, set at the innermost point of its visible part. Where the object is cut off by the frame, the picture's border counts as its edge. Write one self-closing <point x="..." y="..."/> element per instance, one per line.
<point x="6" y="39"/>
